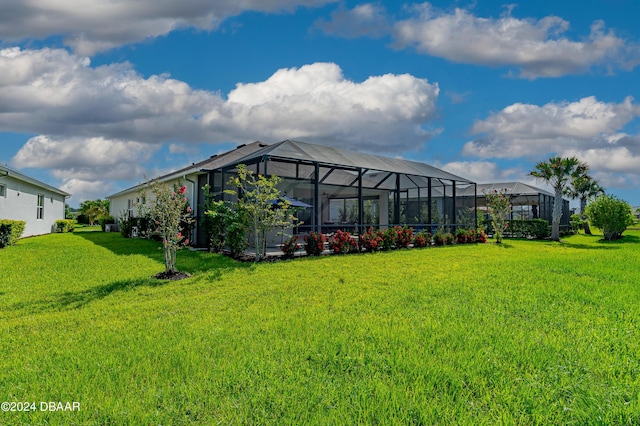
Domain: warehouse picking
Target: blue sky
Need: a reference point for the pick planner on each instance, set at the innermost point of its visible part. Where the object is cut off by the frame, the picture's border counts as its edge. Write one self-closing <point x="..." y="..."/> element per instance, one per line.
<point x="93" y="99"/>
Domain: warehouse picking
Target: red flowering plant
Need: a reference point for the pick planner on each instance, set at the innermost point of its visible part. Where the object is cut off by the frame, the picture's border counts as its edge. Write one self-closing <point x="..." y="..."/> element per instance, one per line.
<point x="422" y="239"/>
<point x="404" y="235"/>
<point x="314" y="243"/>
<point x="462" y="236"/>
<point x="341" y="242"/>
<point x="289" y="246"/>
<point x="481" y="237"/>
<point x="371" y="240"/>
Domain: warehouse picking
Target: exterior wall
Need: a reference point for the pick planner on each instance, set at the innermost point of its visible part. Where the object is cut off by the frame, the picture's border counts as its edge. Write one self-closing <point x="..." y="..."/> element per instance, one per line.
<point x="21" y="203"/>
<point x="120" y="202"/>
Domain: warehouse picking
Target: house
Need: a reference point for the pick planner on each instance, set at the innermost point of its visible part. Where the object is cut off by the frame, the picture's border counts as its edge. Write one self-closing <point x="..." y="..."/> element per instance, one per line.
<point x="527" y="202"/>
<point x="344" y="189"/>
<point x="27" y="199"/>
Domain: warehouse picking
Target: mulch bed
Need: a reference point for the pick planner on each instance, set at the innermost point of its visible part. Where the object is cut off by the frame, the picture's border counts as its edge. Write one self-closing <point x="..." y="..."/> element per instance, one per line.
<point x="173" y="276"/>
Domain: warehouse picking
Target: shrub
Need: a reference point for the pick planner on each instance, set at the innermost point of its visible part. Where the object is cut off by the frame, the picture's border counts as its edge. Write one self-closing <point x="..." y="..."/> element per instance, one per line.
<point x="341" y="242"/>
<point x="214" y="222"/>
<point x="10" y="231"/>
<point x="289" y="246"/>
<point x="422" y="239"/>
<point x="575" y="223"/>
<point x="610" y="214"/>
<point x="404" y="235"/>
<point x="438" y="238"/>
<point x="372" y="240"/>
<point x="104" y="220"/>
<point x="449" y="238"/>
<point x="142" y="224"/>
<point x="65" y="225"/>
<point x="388" y="239"/>
<point x="314" y="243"/>
<point x="462" y="236"/>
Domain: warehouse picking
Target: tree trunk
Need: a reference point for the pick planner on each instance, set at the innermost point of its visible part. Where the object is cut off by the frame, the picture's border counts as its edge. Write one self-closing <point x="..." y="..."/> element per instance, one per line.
<point x="557" y="215"/>
<point x="583" y="216"/>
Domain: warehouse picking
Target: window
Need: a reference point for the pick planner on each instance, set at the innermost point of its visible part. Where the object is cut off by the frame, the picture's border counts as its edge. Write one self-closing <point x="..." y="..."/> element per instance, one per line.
<point x="3" y="191"/>
<point x="40" y="210"/>
<point x="130" y="208"/>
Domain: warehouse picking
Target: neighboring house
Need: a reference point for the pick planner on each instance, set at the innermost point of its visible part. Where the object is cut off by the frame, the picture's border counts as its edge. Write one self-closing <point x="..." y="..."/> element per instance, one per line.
<point x="527" y="202"/>
<point x="27" y="199"/>
<point x="379" y="191"/>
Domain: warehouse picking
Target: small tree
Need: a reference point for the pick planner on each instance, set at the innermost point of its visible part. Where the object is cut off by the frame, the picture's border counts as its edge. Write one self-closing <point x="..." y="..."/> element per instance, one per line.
<point x="499" y="204"/>
<point x="557" y="172"/>
<point x="169" y="212"/>
<point x="259" y="199"/>
<point x="94" y="210"/>
<point x="610" y="214"/>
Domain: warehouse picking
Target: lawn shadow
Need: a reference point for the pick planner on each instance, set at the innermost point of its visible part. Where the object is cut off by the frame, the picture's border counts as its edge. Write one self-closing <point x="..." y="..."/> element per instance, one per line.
<point x="78" y="299"/>
<point x="600" y="243"/>
<point x="190" y="261"/>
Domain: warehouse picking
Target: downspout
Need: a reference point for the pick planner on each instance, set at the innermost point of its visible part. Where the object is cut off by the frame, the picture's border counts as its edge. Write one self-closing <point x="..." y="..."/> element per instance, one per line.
<point x="194" y="208"/>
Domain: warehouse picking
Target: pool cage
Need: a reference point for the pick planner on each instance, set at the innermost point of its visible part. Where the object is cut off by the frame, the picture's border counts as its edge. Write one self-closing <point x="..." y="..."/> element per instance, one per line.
<point x="353" y="191"/>
<point x="527" y="202"/>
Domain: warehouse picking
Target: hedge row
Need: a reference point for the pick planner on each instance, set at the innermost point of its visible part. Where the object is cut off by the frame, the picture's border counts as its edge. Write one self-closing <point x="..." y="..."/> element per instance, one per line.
<point x="534" y="228"/>
<point x="10" y="231"/>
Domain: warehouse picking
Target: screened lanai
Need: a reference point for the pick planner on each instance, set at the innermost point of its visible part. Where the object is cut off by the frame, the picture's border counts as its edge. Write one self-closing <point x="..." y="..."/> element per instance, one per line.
<point x="527" y="202"/>
<point x="352" y="191"/>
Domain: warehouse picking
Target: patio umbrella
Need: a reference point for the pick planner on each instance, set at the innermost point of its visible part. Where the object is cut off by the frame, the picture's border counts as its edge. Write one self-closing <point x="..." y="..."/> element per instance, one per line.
<point x="292" y="202"/>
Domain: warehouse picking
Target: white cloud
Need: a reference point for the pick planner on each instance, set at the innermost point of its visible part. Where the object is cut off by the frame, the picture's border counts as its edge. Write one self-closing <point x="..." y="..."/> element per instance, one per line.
<point x="316" y="103"/>
<point x="98" y="25"/>
<point x="587" y="129"/>
<point x="82" y="190"/>
<point x="111" y="116"/>
<point x="363" y="20"/>
<point x="481" y="171"/>
<point x="528" y="130"/>
<point x="537" y="48"/>
<point x="87" y="168"/>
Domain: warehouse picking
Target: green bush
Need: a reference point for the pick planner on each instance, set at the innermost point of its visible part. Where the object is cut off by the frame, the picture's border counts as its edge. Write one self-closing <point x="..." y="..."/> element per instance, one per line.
<point x="575" y="223"/>
<point x="610" y="214"/>
<point x="105" y="220"/>
<point x="10" y="231"/>
<point x="65" y="225"/>
<point x="126" y="225"/>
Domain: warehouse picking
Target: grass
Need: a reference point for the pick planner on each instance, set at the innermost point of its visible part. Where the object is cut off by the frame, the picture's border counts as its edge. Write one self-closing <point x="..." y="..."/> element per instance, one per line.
<point x="524" y="333"/>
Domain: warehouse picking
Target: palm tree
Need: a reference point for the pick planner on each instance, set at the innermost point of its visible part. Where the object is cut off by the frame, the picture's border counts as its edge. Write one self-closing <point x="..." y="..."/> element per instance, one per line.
<point x="557" y="172"/>
<point x="584" y="187"/>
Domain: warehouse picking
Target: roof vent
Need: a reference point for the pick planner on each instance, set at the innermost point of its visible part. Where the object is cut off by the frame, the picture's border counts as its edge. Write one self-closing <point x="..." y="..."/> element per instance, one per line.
<point x="241" y="145"/>
<point x="214" y="156"/>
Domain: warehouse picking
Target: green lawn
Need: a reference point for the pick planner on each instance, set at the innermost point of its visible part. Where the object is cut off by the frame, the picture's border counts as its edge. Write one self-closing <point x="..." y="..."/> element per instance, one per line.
<point x="524" y="333"/>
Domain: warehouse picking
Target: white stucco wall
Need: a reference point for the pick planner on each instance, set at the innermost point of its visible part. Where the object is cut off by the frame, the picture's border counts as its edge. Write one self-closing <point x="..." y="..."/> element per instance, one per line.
<point x="21" y="203"/>
<point x="120" y="202"/>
